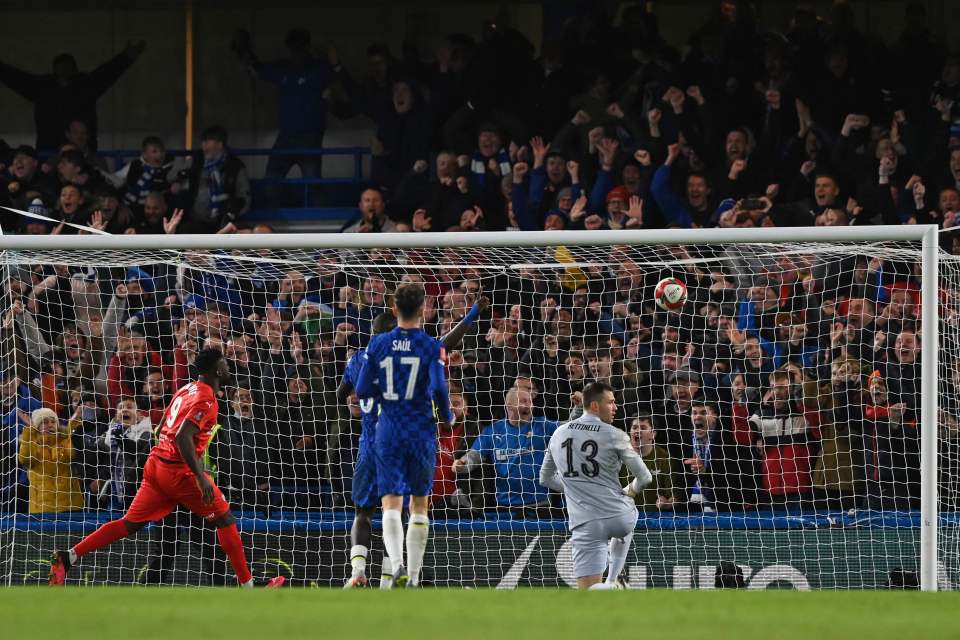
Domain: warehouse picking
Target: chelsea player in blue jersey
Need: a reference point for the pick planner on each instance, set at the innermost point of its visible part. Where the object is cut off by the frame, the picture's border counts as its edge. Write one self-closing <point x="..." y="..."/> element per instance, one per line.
<point x="365" y="490"/>
<point x="404" y="368"/>
<point x="364" y="487"/>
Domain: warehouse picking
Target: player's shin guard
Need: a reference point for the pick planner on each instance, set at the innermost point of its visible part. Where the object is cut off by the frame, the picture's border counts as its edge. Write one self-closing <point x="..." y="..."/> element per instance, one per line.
<point x="617" y="557"/>
<point x="104" y="535"/>
<point x="418" y="530"/>
<point x="231" y="544"/>
<point x="393" y="537"/>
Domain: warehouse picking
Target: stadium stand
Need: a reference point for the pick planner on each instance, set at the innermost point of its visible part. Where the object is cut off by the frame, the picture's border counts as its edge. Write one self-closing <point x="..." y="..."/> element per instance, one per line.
<point x="778" y="365"/>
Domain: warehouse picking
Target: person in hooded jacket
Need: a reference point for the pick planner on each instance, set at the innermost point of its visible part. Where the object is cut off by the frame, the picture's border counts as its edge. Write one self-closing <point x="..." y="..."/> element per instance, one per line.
<point x="403" y="136"/>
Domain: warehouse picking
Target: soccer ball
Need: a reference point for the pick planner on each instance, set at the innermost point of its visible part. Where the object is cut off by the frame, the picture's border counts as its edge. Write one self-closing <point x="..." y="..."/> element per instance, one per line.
<point x="670" y="294"/>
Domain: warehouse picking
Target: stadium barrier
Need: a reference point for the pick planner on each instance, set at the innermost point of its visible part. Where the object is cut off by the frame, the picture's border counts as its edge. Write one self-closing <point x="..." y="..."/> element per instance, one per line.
<point x="774" y="550"/>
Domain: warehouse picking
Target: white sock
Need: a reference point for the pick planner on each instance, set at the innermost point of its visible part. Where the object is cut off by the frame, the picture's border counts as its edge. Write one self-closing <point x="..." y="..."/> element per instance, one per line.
<point x="73" y="556"/>
<point x="393" y="538"/>
<point x="247" y="585"/>
<point x="617" y="557"/>
<point x="418" y="530"/>
<point x="358" y="559"/>
<point x="386" y="573"/>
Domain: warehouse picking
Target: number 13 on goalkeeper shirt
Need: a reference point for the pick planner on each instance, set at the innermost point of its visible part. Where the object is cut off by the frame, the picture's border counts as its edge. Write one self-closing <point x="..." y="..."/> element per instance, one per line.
<point x="405" y="369"/>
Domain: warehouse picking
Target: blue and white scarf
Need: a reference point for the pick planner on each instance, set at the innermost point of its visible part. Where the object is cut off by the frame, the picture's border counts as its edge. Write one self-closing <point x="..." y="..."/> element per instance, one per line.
<point x="701" y="449"/>
<point x="214" y="171"/>
<point x="478" y="166"/>
<point x="138" y="195"/>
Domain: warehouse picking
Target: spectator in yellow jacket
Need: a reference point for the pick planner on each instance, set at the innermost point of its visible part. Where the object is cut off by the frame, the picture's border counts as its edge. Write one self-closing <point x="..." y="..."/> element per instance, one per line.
<point x="46" y="452"/>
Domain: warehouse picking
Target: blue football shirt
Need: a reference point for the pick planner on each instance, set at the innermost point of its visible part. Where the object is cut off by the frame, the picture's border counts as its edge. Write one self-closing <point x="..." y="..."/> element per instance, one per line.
<point x="404" y="368"/>
<point x="369" y="407"/>
<point x="516" y="453"/>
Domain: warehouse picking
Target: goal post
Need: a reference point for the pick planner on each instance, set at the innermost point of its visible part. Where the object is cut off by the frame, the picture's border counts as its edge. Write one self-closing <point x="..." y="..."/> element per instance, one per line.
<point x="929" y="511"/>
<point x="254" y="259"/>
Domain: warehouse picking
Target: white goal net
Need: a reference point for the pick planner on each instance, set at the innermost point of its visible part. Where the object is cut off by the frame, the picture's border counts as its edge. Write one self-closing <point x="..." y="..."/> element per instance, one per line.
<point x="779" y="409"/>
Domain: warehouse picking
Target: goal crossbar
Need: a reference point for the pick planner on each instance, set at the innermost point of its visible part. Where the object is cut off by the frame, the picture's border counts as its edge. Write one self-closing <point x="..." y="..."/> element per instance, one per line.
<point x="881" y="233"/>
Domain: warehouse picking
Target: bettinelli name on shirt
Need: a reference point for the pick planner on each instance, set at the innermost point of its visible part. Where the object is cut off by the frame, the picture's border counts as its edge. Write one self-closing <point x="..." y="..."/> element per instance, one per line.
<point x="583" y="427"/>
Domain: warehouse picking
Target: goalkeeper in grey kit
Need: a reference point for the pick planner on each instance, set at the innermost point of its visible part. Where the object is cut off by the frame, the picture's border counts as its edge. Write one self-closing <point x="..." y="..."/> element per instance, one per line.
<point x="590" y="452"/>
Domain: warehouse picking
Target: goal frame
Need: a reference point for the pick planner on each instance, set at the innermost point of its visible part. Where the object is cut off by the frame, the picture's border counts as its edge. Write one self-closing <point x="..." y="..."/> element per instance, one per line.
<point x="926" y="234"/>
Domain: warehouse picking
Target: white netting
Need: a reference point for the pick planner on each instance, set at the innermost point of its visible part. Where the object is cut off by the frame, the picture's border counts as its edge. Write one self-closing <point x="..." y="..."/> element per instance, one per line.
<point x="948" y="425"/>
<point x="783" y="397"/>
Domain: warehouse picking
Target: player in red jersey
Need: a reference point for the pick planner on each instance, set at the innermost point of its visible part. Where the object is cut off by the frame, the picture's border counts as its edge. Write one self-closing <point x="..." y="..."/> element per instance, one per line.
<point x="173" y="474"/>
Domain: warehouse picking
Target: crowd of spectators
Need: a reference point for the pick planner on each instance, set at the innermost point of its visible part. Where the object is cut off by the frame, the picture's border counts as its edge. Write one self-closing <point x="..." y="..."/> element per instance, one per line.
<point x="799" y="390"/>
<point x="784" y="381"/>
<point x="607" y="126"/>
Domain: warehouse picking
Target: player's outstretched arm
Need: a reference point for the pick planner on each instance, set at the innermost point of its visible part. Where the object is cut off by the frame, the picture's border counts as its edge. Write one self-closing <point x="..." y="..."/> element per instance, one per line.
<point x="455" y="336"/>
<point x="366" y="386"/>
<point x="635" y="464"/>
<point x="439" y="390"/>
<point x="467" y="462"/>
<point x="184" y="441"/>
<point x="343" y="391"/>
<point x="548" y="473"/>
<point x="349" y="379"/>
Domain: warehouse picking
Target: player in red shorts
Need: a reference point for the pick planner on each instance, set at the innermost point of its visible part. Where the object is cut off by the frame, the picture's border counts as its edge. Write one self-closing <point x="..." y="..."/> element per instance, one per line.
<point x="173" y="474"/>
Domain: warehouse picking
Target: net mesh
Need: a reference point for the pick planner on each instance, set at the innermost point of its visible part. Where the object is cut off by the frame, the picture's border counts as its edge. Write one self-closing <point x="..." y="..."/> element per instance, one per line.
<point x="778" y="409"/>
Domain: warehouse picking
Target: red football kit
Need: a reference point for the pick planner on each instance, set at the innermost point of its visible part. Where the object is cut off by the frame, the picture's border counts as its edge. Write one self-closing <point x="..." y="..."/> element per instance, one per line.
<point x="167" y="480"/>
<point x="196" y="402"/>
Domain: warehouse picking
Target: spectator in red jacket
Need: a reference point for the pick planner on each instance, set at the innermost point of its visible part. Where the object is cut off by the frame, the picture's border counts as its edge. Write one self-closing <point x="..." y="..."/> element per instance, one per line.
<point x="128" y="368"/>
<point x="153" y="401"/>
<point x="187" y="346"/>
<point x="781" y="438"/>
<point x="743" y="456"/>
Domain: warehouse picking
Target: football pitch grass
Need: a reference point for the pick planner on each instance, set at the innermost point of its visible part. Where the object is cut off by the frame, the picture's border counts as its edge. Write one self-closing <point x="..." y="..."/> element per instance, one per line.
<point x="28" y="613"/>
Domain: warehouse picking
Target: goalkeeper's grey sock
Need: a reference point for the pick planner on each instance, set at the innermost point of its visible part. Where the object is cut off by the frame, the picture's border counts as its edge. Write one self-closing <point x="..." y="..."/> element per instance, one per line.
<point x="393" y="538"/>
<point x="617" y="557"/>
<point x="247" y="585"/>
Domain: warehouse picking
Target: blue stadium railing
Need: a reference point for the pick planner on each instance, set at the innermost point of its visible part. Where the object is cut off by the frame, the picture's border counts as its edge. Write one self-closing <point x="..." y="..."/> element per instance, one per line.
<point x="340" y="521"/>
<point x="296" y="214"/>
